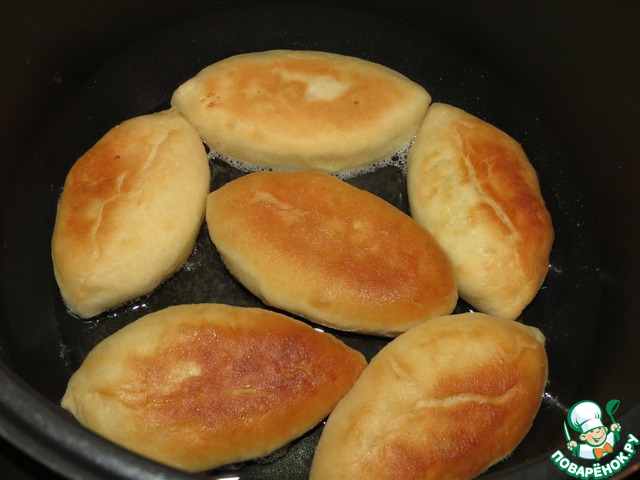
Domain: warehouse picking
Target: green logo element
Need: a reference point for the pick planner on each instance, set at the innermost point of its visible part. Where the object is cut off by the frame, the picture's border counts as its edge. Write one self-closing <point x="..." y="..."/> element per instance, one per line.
<point x="596" y="442"/>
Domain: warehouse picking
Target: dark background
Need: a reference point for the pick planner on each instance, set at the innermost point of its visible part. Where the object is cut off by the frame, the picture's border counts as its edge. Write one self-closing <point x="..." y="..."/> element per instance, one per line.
<point x="577" y="63"/>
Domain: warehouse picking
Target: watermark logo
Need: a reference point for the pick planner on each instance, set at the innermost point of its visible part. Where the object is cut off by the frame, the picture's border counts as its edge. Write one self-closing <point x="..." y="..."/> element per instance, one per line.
<point x="595" y="442"/>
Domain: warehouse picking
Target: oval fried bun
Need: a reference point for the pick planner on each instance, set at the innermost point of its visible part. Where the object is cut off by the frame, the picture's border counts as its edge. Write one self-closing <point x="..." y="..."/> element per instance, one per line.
<point x="199" y="386"/>
<point x="473" y="187"/>
<point x="445" y="400"/>
<point x="313" y="245"/>
<point x="130" y="212"/>
<point x="302" y="110"/>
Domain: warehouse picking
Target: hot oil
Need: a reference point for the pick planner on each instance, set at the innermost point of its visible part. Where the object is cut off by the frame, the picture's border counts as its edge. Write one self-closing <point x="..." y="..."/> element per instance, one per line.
<point x="398" y="160"/>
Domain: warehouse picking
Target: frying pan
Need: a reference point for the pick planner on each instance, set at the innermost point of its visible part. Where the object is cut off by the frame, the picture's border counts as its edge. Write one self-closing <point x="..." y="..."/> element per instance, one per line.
<point x="562" y="79"/>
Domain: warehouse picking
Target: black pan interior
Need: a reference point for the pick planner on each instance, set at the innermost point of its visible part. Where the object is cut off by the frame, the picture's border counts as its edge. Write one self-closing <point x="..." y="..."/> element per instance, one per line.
<point x="44" y="344"/>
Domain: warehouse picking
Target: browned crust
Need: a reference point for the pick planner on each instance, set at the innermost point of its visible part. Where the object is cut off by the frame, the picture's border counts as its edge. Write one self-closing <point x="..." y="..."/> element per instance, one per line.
<point x="473" y="187"/>
<point x="303" y="109"/>
<point x="447" y="399"/>
<point x="501" y="172"/>
<point x="273" y="94"/>
<point x="198" y="386"/>
<point x="314" y="245"/>
<point x="129" y="212"/>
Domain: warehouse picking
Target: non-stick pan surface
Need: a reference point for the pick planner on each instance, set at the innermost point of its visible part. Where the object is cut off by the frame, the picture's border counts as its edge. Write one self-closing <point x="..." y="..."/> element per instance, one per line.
<point x="44" y="344"/>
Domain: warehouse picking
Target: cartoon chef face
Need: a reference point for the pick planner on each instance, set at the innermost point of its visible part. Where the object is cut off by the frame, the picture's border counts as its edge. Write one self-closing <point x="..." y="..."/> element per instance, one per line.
<point x="595" y="437"/>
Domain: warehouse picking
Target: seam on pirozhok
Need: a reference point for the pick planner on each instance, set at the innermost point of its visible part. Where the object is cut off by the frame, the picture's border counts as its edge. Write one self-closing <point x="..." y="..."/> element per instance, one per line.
<point x="465" y="147"/>
<point x="119" y="192"/>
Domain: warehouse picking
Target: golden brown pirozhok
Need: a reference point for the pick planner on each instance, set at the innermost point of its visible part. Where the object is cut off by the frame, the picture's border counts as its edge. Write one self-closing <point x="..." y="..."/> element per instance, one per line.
<point x="445" y="400"/>
<point x="130" y="212"/>
<point x="473" y="188"/>
<point x="198" y="386"/>
<point x="302" y="109"/>
<point x="318" y="247"/>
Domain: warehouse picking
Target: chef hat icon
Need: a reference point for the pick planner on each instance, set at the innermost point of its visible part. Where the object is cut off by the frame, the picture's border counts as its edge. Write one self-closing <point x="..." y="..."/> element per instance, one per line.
<point x="585" y="416"/>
